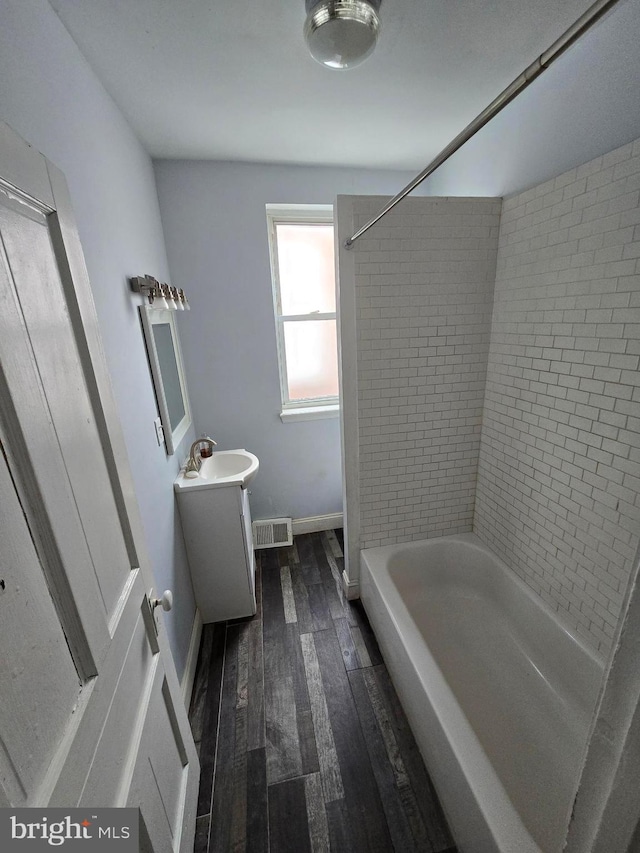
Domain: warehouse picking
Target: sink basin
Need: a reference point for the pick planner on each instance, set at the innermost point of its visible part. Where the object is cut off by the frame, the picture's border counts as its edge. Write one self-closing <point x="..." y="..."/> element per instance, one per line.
<point x="223" y="468"/>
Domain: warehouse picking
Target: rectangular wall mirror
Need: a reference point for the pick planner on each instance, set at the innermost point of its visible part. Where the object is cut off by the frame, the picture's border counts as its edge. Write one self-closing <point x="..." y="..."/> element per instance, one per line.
<point x="165" y="359"/>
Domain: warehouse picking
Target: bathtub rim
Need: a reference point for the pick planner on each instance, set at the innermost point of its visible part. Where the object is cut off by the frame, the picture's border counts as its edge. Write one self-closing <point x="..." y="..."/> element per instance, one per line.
<point x="473" y="541"/>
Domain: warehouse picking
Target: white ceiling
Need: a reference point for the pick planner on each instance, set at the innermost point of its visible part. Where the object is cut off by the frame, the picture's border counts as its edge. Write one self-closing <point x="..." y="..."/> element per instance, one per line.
<point x="232" y="80"/>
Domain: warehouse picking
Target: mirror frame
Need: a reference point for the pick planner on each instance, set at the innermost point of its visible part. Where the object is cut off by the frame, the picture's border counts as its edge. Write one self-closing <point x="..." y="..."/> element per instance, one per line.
<point x="156" y="316"/>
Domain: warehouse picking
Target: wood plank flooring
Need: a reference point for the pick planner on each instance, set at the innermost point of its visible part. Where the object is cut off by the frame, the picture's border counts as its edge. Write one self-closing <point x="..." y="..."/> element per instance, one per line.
<point x="303" y="744"/>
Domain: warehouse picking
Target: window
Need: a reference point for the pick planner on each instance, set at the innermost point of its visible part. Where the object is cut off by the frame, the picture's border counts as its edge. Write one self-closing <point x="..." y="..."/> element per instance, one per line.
<point x="304" y="298"/>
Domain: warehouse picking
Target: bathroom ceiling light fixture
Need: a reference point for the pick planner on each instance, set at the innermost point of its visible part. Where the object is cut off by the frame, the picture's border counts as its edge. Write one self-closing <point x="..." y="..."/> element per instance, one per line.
<point x="341" y="33"/>
<point x="160" y="295"/>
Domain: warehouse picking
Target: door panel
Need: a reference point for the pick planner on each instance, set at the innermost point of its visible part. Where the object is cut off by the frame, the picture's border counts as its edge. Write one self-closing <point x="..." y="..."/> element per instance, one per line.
<point x="159" y="780"/>
<point x="86" y="678"/>
<point x="35" y="657"/>
<point x="116" y="742"/>
<point x="42" y="483"/>
<point x="92" y="761"/>
<point x="29" y="255"/>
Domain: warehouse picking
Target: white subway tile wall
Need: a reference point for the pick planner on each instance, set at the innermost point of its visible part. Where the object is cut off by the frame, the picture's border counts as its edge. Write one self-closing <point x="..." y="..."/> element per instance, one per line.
<point x="424" y="285"/>
<point x="558" y="495"/>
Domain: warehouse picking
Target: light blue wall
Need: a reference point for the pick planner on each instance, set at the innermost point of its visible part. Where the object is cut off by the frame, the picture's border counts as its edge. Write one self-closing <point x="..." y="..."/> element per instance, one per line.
<point x="586" y="104"/>
<point x="216" y="236"/>
<point x="215" y="232"/>
<point x="50" y="96"/>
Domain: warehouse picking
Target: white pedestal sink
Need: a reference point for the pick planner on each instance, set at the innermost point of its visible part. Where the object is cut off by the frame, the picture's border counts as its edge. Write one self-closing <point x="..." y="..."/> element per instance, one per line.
<point x="216" y="521"/>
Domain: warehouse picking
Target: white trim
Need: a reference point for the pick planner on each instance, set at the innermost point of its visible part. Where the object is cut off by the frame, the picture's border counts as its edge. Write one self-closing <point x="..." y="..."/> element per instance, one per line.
<point x="189" y="674"/>
<point x="314" y="214"/>
<point x="298" y="212"/>
<point x="351" y="588"/>
<point x="310" y="413"/>
<point x="605" y="814"/>
<point x="316" y="523"/>
<point x="304" y="318"/>
<point x="348" y="372"/>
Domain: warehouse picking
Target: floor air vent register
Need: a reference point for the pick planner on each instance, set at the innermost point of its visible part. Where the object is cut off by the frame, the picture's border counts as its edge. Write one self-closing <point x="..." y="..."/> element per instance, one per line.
<point x="272" y="533"/>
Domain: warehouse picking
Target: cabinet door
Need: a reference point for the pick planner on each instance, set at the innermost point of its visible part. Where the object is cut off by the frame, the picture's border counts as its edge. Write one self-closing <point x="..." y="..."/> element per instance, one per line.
<point x="248" y="543"/>
<point x="220" y="559"/>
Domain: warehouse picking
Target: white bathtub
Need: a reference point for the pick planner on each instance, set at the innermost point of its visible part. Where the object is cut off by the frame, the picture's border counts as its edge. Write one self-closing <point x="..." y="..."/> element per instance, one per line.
<point x="499" y="695"/>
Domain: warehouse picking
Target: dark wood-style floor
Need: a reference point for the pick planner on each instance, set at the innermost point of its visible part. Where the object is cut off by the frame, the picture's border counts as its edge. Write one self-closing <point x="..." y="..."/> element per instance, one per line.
<point x="303" y="745"/>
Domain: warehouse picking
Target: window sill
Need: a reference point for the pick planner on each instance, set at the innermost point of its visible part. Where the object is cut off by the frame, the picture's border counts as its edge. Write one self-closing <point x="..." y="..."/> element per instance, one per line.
<point x="310" y="413"/>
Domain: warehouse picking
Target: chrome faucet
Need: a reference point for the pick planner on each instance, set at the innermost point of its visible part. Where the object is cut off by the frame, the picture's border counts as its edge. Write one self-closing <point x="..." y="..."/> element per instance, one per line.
<point x="195" y="456"/>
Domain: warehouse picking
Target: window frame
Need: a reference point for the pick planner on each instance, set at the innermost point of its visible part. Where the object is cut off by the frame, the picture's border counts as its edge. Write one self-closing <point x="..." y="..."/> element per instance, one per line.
<point x="297" y="214"/>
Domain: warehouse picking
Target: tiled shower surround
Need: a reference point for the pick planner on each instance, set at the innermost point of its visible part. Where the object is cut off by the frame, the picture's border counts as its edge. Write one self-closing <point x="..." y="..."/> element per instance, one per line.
<point x="424" y="284"/>
<point x="539" y="451"/>
<point x="558" y="496"/>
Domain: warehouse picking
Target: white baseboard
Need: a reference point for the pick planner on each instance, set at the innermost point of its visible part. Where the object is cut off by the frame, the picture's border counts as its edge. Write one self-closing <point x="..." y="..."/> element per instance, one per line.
<point x="351" y="588"/>
<point x="192" y="660"/>
<point x="316" y="523"/>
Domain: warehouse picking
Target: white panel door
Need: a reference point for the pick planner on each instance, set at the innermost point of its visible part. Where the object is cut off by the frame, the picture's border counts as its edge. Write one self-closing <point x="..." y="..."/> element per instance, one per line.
<point x="34" y="652"/>
<point x="91" y="710"/>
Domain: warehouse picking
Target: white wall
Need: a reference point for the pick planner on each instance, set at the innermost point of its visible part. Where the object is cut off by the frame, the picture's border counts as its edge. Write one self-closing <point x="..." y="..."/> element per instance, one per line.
<point x="422" y="287"/>
<point x="557" y="458"/>
<point x="216" y="236"/>
<point x="50" y="96"/>
<point x="558" y="494"/>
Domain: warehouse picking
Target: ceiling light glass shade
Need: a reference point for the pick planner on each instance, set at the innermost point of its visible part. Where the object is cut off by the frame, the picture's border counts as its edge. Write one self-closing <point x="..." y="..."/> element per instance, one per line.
<point x="159" y="300"/>
<point x="184" y="301"/>
<point x="342" y="33"/>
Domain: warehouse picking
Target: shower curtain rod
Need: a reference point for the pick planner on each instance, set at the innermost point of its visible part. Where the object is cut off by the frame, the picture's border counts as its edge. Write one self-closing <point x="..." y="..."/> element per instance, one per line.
<point x="537" y="67"/>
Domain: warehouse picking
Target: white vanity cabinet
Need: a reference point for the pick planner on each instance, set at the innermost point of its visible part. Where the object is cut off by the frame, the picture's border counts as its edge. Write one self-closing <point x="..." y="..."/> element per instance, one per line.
<point x="217" y="529"/>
